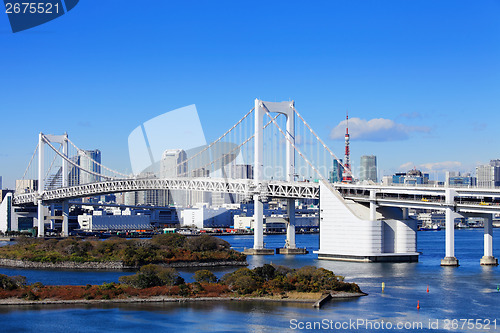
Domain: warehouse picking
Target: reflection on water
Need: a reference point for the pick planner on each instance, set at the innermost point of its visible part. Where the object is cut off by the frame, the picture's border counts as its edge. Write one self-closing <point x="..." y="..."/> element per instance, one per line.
<point x="468" y="291"/>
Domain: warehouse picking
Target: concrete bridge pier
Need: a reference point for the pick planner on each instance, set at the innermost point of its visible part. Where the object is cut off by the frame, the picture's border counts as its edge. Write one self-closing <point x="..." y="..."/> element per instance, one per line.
<point x="405" y="213"/>
<point x="449" y="259"/>
<point x="488" y="259"/>
<point x="290" y="226"/>
<point x="65" y="215"/>
<point x="41" y="185"/>
<point x="52" y="216"/>
<point x="373" y="206"/>
<point x="258" y="229"/>
<point x="290" y="246"/>
<point x="41" y="219"/>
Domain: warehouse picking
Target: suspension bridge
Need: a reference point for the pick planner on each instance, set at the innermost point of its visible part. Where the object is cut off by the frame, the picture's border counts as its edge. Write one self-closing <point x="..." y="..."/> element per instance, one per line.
<point x="283" y="158"/>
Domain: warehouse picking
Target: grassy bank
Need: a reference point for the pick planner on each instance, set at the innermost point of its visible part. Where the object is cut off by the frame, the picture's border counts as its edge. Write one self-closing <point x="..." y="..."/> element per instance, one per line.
<point x="167" y="249"/>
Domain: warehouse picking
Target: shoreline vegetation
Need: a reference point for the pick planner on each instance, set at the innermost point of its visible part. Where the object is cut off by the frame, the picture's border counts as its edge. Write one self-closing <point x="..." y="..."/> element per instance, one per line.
<point x="154" y="283"/>
<point x="170" y="250"/>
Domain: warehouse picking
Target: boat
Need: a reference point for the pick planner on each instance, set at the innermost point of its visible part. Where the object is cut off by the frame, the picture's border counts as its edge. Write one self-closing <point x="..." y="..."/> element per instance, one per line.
<point x="430" y="228"/>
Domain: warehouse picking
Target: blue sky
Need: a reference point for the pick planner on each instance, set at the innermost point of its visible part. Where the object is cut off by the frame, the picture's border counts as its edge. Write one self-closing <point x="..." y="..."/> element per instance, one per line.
<point x="422" y="77"/>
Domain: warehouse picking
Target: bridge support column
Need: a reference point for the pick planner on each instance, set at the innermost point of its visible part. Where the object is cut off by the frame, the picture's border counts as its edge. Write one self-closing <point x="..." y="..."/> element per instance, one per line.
<point x="41" y="219"/>
<point x="258" y="226"/>
<point x="258" y="207"/>
<point x="405" y="213"/>
<point x="373" y="206"/>
<point x="488" y="259"/>
<point x="449" y="259"/>
<point x="41" y="186"/>
<point x="290" y="226"/>
<point x="65" y="214"/>
<point x="52" y="215"/>
<point x="290" y="246"/>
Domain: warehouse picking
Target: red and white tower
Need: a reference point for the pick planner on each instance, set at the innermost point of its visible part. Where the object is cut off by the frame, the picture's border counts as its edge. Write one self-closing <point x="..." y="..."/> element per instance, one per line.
<point x="346" y="173"/>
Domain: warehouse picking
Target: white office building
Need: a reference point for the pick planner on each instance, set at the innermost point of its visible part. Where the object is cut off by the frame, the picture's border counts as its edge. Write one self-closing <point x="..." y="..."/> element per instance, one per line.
<point x="368" y="168"/>
<point x="488" y="175"/>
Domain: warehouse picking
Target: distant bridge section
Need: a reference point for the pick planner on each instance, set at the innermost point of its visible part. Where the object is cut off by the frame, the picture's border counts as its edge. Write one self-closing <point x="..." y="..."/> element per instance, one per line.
<point x="462" y="200"/>
<point x="478" y="202"/>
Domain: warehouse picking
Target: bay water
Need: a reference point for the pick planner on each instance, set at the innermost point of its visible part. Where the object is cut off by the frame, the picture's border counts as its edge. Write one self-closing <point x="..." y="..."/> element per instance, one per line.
<point x="460" y="299"/>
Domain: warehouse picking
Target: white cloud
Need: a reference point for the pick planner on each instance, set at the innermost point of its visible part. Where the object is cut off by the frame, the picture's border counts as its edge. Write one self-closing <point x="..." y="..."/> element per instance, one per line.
<point x="436" y="166"/>
<point x="442" y="166"/>
<point x="378" y="129"/>
<point x="407" y="166"/>
<point x="412" y="115"/>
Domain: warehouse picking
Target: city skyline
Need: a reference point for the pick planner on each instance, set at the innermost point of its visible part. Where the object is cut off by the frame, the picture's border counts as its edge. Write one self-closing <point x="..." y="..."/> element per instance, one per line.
<point x="419" y="84"/>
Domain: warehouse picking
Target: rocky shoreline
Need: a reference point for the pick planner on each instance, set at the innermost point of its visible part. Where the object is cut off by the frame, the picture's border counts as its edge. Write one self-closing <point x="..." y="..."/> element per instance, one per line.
<point x="161" y="299"/>
<point x="110" y="265"/>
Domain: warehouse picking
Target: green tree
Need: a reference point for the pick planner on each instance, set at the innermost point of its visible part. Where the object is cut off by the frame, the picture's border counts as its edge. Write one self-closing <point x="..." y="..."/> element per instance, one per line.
<point x="206" y="243"/>
<point x="172" y="241"/>
<point x="245" y="284"/>
<point x="11" y="282"/>
<point x="266" y="272"/>
<point x="204" y="275"/>
<point x="151" y="276"/>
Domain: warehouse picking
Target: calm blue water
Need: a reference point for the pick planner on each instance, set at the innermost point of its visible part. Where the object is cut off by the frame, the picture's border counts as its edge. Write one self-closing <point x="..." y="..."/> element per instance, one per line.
<point x="466" y="292"/>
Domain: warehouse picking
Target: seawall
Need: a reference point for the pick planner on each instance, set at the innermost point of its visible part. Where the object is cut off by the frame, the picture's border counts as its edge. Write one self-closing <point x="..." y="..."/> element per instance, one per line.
<point x="109" y="265"/>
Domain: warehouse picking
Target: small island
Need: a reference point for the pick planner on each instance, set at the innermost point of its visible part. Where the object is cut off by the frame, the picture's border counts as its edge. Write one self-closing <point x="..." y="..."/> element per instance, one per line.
<point x="170" y="250"/>
<point x="154" y="283"/>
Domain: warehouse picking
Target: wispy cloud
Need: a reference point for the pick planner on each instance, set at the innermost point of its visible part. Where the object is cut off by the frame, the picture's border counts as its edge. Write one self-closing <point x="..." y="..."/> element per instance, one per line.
<point x="378" y="129"/>
<point x="478" y="127"/>
<point x="84" y="123"/>
<point x="411" y="115"/>
<point x="436" y="166"/>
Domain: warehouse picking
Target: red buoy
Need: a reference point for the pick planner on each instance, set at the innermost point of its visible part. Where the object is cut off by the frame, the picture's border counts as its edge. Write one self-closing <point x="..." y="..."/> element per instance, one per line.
<point x="418" y="305"/>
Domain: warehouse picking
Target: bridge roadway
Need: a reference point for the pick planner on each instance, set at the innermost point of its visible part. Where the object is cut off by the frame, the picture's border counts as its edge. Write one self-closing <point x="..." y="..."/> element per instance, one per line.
<point x="247" y="187"/>
<point x="462" y="200"/>
<point x="465" y="200"/>
<point x="479" y="202"/>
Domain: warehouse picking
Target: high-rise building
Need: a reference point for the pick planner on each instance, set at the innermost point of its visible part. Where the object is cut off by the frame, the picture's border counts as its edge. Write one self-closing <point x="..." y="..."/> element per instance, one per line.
<point x="26" y="185"/>
<point x="198" y="197"/>
<point x="412" y="177"/>
<point x="85" y="159"/>
<point x="488" y="175"/>
<point x="336" y="173"/>
<point x="173" y="164"/>
<point x="368" y="169"/>
<point x="458" y="179"/>
<point x="229" y="169"/>
<point x="242" y="171"/>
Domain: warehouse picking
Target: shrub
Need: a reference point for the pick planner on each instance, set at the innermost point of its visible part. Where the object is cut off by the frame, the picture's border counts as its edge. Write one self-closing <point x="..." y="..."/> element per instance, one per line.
<point x="204" y="275"/>
<point x="152" y="276"/>
<point x="244" y="285"/>
<point x="266" y="272"/>
<point x="31" y="296"/>
<point x="172" y="241"/>
<point x="11" y="282"/>
<point x="206" y="243"/>
<point x="107" y="286"/>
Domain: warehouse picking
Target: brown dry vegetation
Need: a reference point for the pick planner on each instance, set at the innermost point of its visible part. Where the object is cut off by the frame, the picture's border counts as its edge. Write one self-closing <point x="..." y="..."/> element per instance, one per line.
<point x="269" y="281"/>
<point x="111" y="291"/>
